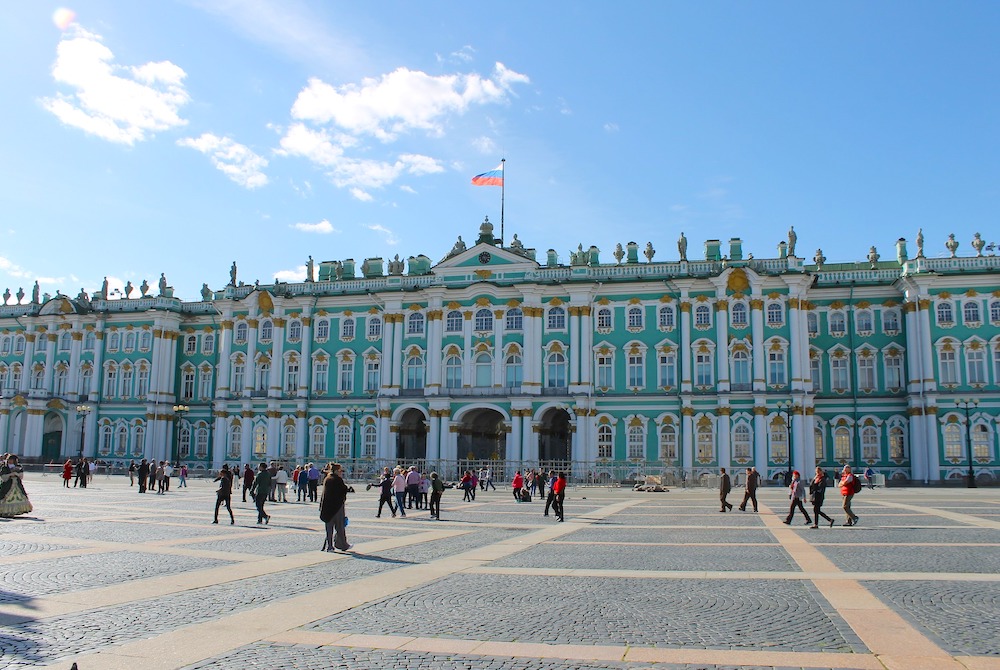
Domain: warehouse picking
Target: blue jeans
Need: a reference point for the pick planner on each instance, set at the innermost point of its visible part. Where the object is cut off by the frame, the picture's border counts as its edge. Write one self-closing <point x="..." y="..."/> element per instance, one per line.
<point x="401" y="502"/>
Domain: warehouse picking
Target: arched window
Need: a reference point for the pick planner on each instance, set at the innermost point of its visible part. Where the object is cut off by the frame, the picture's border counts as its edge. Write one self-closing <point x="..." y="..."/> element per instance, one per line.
<point x="897" y="444"/>
<point x="775" y="314"/>
<point x="317" y="443"/>
<point x="263" y="376"/>
<point x="184" y="441"/>
<point x="483" y="364"/>
<point x="995" y="312"/>
<point x="369" y="441"/>
<point x="869" y="443"/>
<point x="484" y="320"/>
<point x="294" y="330"/>
<point x="19" y="344"/>
<point x="513" y="371"/>
<point x="415" y="324"/>
<point x="515" y="319"/>
<point x="555" y="370"/>
<point x="779" y="442"/>
<point x="145" y="341"/>
<point x="61" y="379"/>
<point x="260" y="442"/>
<point x="121" y="441"/>
<point x="668" y="443"/>
<point x="207" y="344"/>
<point x="266" y="331"/>
<point x="201" y="443"/>
<point x="323" y="330"/>
<point x="635" y="319"/>
<point x="890" y="321"/>
<point x="453" y="372"/>
<point x="235" y="442"/>
<point x="981" y="447"/>
<point x="343" y="445"/>
<point x="38" y="377"/>
<point x="842" y="444"/>
<point x="347" y="328"/>
<point x="241" y="332"/>
<point x="557" y="318"/>
<point x="413" y="369"/>
<point x="291" y="375"/>
<point x="138" y="441"/>
<point x="740" y="372"/>
<point x="864" y="322"/>
<point x="191" y="345"/>
<point x="738" y="315"/>
<point x="666" y="317"/>
<point x="605" y="444"/>
<point x="812" y="323"/>
<point x="288" y="442"/>
<point x="107" y="435"/>
<point x="741" y="442"/>
<point x="453" y="322"/>
<point x="706" y="443"/>
<point x="66" y="340"/>
<point x="4" y="345"/>
<point x="838" y="324"/>
<point x="970" y="312"/>
<point x="818" y="445"/>
<point x="945" y="314"/>
<point x="702" y="316"/>
<point x="953" y="442"/>
<point x="114" y="341"/>
<point x="636" y="443"/>
<point x="604" y="319"/>
<point x="374" y="327"/>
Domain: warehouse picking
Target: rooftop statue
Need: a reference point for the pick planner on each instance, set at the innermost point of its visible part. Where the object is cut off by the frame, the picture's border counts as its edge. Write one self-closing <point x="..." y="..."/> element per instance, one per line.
<point x="232" y="274"/>
<point x="649" y="252"/>
<point x="682" y="247"/>
<point x="515" y="244"/>
<point x="619" y="253"/>
<point x="163" y="283"/>
<point x="792" y="238"/>
<point x="952" y="244"/>
<point x="873" y="257"/>
<point x="920" y="243"/>
<point x="144" y="288"/>
<point x="978" y="244"/>
<point x="458" y="248"/>
<point x="128" y="288"/>
<point x="34" y="293"/>
<point x="310" y="269"/>
<point x="206" y="293"/>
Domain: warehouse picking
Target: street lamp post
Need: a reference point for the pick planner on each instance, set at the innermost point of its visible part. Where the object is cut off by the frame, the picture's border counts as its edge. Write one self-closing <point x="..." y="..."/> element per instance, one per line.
<point x="785" y="407"/>
<point x="354" y="411"/>
<point x="179" y="411"/>
<point x="966" y="404"/>
<point x="83" y="411"/>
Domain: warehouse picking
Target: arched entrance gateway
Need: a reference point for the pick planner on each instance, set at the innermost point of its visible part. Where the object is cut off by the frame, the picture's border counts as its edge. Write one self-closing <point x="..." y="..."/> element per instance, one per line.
<point x="411" y="438"/>
<point x="482" y="436"/>
<point x="555" y="439"/>
<point x="52" y="434"/>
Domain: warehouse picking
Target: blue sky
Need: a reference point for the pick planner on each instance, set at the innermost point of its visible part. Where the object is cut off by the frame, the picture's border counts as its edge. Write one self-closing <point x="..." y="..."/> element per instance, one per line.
<point x="177" y="137"/>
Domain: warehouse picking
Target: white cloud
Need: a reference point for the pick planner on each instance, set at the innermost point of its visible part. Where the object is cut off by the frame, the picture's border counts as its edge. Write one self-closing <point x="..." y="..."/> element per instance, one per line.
<point x="611" y="127"/>
<point x="12" y="269"/>
<point x="400" y="101"/>
<point x="324" y="227"/>
<point x="408" y="189"/>
<point x="363" y="196"/>
<point x="388" y="236"/>
<point x="485" y="145"/>
<point x="294" y="275"/>
<point x="118" y="103"/>
<point x="233" y="159"/>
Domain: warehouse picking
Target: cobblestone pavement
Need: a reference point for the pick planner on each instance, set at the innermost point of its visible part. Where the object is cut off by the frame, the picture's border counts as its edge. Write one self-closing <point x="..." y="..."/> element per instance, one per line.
<point x="103" y="575"/>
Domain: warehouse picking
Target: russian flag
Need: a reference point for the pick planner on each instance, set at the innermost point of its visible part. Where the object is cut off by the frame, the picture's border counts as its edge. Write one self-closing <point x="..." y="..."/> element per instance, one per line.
<point x="492" y="178"/>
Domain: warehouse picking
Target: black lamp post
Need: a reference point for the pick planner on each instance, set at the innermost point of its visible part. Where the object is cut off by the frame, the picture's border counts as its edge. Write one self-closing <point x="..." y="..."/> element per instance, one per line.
<point x="83" y="411"/>
<point x="179" y="411"/>
<point x="354" y="411"/>
<point x="966" y="404"/>
<point x="785" y="407"/>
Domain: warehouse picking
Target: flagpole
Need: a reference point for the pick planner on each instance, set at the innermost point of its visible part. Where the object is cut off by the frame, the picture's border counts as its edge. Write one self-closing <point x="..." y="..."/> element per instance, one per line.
<point x="503" y="163"/>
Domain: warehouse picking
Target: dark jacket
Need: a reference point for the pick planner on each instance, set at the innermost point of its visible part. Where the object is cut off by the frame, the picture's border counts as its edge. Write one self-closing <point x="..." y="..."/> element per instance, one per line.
<point x="817" y="490"/>
<point x="725" y="484"/>
<point x="334" y="497"/>
<point x="226" y="483"/>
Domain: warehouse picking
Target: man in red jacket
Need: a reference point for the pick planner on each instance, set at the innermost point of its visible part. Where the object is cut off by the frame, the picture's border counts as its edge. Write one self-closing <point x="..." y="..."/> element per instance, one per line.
<point x="559" y="488"/>
<point x="847" y="489"/>
<point x="517" y="483"/>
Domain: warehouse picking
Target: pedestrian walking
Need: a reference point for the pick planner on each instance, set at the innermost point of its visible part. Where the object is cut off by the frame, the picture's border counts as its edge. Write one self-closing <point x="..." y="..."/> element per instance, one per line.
<point x="437" y="490"/>
<point x="312" y="477"/>
<point x="132" y="467"/>
<point x="399" y="490"/>
<point x="151" y="486"/>
<point x="425" y="489"/>
<point x="247" y="480"/>
<point x="558" y="504"/>
<point x="817" y="493"/>
<point x="797" y="493"/>
<point x="225" y="493"/>
<point x="82" y="472"/>
<point x="302" y="486"/>
<point x="168" y="471"/>
<point x="551" y="498"/>
<point x="67" y="473"/>
<point x="412" y="488"/>
<point x="385" y="493"/>
<point x="260" y="490"/>
<point x="489" y="480"/>
<point x="516" y="484"/>
<point x="282" y="489"/>
<point x="13" y="498"/>
<point x="182" y="474"/>
<point x="142" y="472"/>
<point x="332" y="509"/>
<point x="158" y="477"/>
<point x="725" y="486"/>
<point x="849" y="485"/>
<point x="750" y="489"/>
<point x="466" y="484"/>
<point x="273" y="470"/>
<point x="870" y="478"/>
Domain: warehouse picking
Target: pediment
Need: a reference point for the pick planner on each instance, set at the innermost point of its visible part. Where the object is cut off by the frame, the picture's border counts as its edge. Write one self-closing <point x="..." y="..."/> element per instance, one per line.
<point x="487" y="257"/>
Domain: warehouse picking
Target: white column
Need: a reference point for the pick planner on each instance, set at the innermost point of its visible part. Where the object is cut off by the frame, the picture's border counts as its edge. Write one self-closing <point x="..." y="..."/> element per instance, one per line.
<point x="220" y="438"/>
<point x="499" y="324"/>
<point x="434" y="436"/>
<point x="574" y="345"/>
<point x="434" y="338"/>
<point x="277" y="382"/>
<point x="29" y="354"/>
<point x="529" y="440"/>
<point x="388" y="359"/>
<point x="250" y="376"/>
<point x="722" y="345"/>
<point x="467" y="375"/>
<point x="52" y="340"/>
<point x="398" y="354"/>
<point x="516" y="435"/>
<point x="794" y="349"/>
<point x="757" y="333"/>
<point x="724" y="433"/>
<point x="687" y="439"/>
<point x="685" y="352"/>
<point x="98" y="365"/>
<point x="797" y="447"/>
<point x="305" y="365"/>
<point x="225" y="344"/>
<point x="586" y="347"/>
<point x="760" y="440"/>
<point x="75" y="351"/>
<point x="532" y="349"/>
<point x="808" y="443"/>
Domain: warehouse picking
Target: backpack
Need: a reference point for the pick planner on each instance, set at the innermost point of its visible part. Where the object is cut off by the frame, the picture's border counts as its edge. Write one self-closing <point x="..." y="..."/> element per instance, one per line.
<point x="856" y="485"/>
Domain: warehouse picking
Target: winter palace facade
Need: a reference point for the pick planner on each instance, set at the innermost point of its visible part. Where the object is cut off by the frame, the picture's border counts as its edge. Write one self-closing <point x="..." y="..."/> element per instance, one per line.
<point x="498" y="352"/>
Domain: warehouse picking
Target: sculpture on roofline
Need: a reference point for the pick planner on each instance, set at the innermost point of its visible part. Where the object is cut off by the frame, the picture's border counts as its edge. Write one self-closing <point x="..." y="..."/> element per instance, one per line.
<point x="206" y="293"/>
<point x="163" y="283"/>
<point x="128" y="288"/>
<point x="873" y="257"/>
<point x="952" y="244"/>
<point x="682" y="247"/>
<point x="232" y="274"/>
<point x="310" y="269"/>
<point x="104" y="289"/>
<point x="20" y="294"/>
<point x="619" y="253"/>
<point x="144" y="288"/>
<point x="819" y="259"/>
<point x="458" y="248"/>
<point x="515" y="244"/>
<point x="649" y="252"/>
<point x="6" y="296"/>
<point x="920" y="243"/>
<point x="792" y="238"/>
<point x="34" y="293"/>
<point x="978" y="244"/>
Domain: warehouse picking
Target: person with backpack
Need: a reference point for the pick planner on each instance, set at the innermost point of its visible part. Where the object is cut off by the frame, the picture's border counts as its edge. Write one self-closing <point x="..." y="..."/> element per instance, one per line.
<point x="849" y="485"/>
<point x="437" y="490"/>
<point x="817" y="494"/>
<point x="796" y="493"/>
<point x="725" y="486"/>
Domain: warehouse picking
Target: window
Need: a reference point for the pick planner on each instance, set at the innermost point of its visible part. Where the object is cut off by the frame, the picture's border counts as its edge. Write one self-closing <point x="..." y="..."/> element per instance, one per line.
<point x="373" y="376"/>
<point x="128" y="374"/>
<point x="235" y="441"/>
<point x="893" y="372"/>
<point x="703" y="369"/>
<point x="636" y="370"/>
<point x="706" y="442"/>
<point x="260" y="442"/>
<point x="138" y="441"/>
<point x="241" y="332"/>
<point x="413" y="369"/>
<point x="812" y="324"/>
<point x="513" y="371"/>
<point x="43" y="343"/>
<point x="453" y="322"/>
<point x="317" y="444"/>
<point x="741" y="442"/>
<point x="970" y="313"/>
<point x="343" y="441"/>
<point x="740" y="370"/>
<point x="288" y="442"/>
<point x="668" y="442"/>
<point x="345" y="379"/>
<point x="239" y="372"/>
<point x="702" y="316"/>
<point x="890" y="321"/>
<point x="869" y="443"/>
<point x="4" y="346"/>
<point x="201" y="443"/>
<point x="945" y="314"/>
<point x="995" y="312"/>
<point x="975" y="361"/>
<point x="605" y="444"/>
<point x="484" y="320"/>
<point x="953" y="442"/>
<point x="19" y="344"/>
<point x="981" y="450"/>
<point x="266" y="331"/>
<point x="838" y="374"/>
<point x="515" y="319"/>
<point x="323" y="330"/>
<point x="897" y="445"/>
<point x="347" y="328"/>
<point x="110" y="381"/>
<point x="207" y="344"/>
<point x="106" y="437"/>
<point x="842" y="444"/>
<point x="453" y="372"/>
<point x="291" y="376"/>
<point x="190" y="344"/>
<point x="775" y="315"/>
<point x="369" y="441"/>
<point x="320" y="375"/>
<point x="61" y="378"/>
<point x="38" y="377"/>
<point x="738" y="315"/>
<point x="636" y="446"/>
<point x="666" y="317"/>
<point x="635" y="319"/>
<point x="483" y="370"/>
<point x="66" y="340"/>
<point x="996" y="363"/>
<point x="114" y="341"/>
<point x="605" y="371"/>
<point x="415" y="324"/>
<point x="863" y="320"/>
<point x="86" y="376"/>
<point x="184" y="441"/>
<point x="866" y="372"/>
<point x="947" y="366"/>
<point x="557" y="318"/>
<point x="604" y="319"/>
<point x="779" y="441"/>
<point x="838" y="324"/>
<point x="667" y="370"/>
<point x="294" y="331"/>
<point x="818" y="445"/>
<point x="187" y="384"/>
<point x="776" y="368"/>
<point x="3" y="377"/>
<point x="374" y="327"/>
<point x="145" y="341"/>
<point x="263" y="377"/>
<point x="555" y="370"/>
